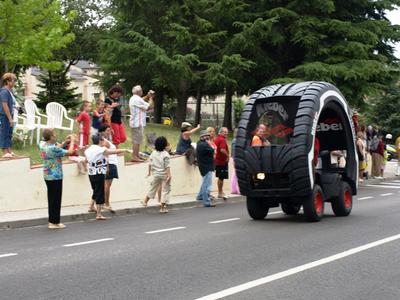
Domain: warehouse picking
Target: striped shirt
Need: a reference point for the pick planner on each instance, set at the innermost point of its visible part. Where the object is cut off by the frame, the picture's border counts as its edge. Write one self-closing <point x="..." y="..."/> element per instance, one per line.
<point x="138" y="108"/>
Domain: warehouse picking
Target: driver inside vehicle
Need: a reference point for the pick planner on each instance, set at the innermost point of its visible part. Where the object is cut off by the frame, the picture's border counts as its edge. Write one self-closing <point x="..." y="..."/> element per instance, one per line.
<point x="260" y="137"/>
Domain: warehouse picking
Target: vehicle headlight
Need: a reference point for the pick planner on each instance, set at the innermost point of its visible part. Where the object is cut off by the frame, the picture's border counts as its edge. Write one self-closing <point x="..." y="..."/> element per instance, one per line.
<point x="260" y="176"/>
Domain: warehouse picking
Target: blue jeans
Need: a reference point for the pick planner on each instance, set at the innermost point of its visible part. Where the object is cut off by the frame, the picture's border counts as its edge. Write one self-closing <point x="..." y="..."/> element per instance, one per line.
<point x="6" y="132"/>
<point x="205" y="189"/>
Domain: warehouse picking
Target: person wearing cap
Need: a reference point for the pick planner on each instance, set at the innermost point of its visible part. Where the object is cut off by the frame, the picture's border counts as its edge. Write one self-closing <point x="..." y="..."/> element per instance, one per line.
<point x="185" y="143"/>
<point x="138" y="107"/>
<point x="206" y="163"/>
<point x="7" y="104"/>
<point x="97" y="170"/>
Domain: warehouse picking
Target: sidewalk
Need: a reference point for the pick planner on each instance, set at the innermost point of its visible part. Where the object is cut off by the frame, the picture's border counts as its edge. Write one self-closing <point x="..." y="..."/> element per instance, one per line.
<point x="37" y="217"/>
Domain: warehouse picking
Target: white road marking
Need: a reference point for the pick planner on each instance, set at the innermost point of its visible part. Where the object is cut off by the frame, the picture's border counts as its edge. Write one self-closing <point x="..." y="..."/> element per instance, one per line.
<point x="365" y="198"/>
<point x="223" y="221"/>
<point x="89" y="242"/>
<point x="390" y="183"/>
<point x="298" y="269"/>
<point x="8" y="255"/>
<point x="383" y="186"/>
<point x="387" y="194"/>
<point x="164" y="230"/>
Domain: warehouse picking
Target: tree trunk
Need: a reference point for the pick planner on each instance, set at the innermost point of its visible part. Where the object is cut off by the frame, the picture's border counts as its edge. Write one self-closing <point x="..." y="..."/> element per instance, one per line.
<point x="181" y="109"/>
<point x="197" y="116"/>
<point x="158" y="107"/>
<point x="228" y="108"/>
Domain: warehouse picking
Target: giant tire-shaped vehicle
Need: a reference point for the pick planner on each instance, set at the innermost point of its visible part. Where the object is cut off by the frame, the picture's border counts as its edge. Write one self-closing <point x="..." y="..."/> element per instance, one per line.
<point x="285" y="172"/>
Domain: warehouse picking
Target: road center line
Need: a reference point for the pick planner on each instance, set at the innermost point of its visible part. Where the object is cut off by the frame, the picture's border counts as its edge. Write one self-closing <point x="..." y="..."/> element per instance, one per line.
<point x="164" y="230"/>
<point x="387" y="194"/>
<point x="383" y="186"/>
<point x="365" y="198"/>
<point x="295" y="270"/>
<point x="223" y="221"/>
<point x="89" y="242"/>
<point x="8" y="255"/>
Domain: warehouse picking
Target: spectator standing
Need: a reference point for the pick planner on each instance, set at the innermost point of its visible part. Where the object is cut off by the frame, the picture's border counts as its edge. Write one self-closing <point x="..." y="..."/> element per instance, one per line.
<point x="222" y="161"/>
<point x="138" y="108"/>
<point x="377" y="150"/>
<point x="83" y="120"/>
<point x="7" y="104"/>
<point x="112" y="170"/>
<point x="97" y="117"/>
<point x="112" y="102"/>
<point x="97" y="170"/>
<point x="206" y="163"/>
<point x="159" y="167"/>
<point x="185" y="142"/>
<point x="53" y="173"/>
<point x="361" y="155"/>
<point x="211" y="140"/>
<point x="397" y="145"/>
<point x="234" y="181"/>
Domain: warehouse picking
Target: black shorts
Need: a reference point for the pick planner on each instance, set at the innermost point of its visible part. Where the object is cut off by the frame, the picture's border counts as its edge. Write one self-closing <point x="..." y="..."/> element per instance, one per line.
<point x="221" y="172"/>
<point x="112" y="172"/>
<point x="97" y="183"/>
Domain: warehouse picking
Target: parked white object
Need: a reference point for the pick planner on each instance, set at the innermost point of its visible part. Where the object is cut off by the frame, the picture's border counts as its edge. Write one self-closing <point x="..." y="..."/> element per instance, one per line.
<point x="34" y="119"/>
<point x="56" y="114"/>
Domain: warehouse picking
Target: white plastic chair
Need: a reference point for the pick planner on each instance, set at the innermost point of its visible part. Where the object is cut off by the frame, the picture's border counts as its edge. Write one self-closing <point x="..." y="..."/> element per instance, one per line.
<point x="34" y="119"/>
<point x="56" y="114"/>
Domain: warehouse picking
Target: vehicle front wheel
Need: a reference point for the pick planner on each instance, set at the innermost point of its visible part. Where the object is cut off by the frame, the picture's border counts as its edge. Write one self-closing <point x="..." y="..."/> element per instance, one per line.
<point x="313" y="206"/>
<point x="343" y="204"/>
<point x="290" y="209"/>
<point x="257" y="208"/>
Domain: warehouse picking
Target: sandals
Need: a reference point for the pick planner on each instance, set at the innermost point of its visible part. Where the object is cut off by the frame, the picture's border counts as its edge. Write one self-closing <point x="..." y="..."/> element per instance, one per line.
<point x="92" y="210"/>
<point x="163" y="209"/>
<point x="101" y="218"/>
<point x="7" y="155"/>
<point x="109" y="208"/>
<point x="143" y="203"/>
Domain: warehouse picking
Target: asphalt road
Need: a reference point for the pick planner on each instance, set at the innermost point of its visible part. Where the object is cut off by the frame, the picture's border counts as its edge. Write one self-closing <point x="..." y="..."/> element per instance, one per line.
<point x="212" y="253"/>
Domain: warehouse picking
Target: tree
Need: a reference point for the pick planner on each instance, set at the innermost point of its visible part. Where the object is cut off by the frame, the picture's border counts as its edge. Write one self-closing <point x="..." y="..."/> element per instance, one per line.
<point x="383" y="110"/>
<point x="31" y="31"/>
<point x="86" y="28"/>
<point x="343" y="42"/>
<point x="55" y="85"/>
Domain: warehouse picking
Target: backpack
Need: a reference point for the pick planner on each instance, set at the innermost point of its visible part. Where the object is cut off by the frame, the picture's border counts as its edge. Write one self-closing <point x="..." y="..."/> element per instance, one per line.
<point x="374" y="144"/>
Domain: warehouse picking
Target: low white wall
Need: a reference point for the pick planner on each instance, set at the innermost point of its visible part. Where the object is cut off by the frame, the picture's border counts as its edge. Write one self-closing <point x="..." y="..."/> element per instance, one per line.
<point x="23" y="187"/>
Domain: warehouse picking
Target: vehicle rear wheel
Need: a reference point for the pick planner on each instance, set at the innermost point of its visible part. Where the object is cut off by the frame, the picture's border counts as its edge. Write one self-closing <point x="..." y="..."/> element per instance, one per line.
<point x="313" y="206"/>
<point x="257" y="208"/>
<point x="343" y="204"/>
<point x="290" y="209"/>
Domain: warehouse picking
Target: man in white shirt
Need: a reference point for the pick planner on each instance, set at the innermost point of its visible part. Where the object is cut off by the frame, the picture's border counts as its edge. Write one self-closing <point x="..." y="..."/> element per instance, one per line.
<point x="138" y="108"/>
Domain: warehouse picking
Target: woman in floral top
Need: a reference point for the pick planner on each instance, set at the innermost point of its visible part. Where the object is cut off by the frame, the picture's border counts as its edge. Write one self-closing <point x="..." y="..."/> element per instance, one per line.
<point x="53" y="174"/>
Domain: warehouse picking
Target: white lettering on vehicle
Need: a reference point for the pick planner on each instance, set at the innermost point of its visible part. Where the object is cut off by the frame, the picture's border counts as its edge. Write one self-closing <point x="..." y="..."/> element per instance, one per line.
<point x="329" y="127"/>
<point x="272" y="106"/>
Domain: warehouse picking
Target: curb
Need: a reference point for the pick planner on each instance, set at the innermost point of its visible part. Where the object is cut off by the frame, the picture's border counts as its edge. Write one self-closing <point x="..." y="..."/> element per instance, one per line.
<point x="118" y="212"/>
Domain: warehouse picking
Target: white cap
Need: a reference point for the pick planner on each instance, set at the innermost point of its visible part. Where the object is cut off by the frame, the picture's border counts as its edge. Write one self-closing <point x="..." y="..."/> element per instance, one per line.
<point x="389" y="136"/>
